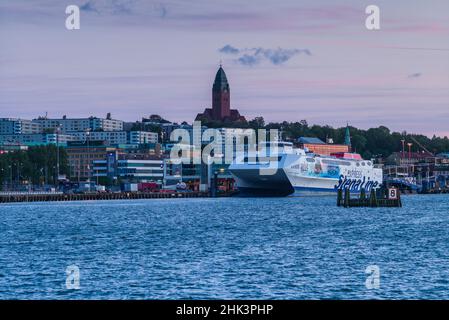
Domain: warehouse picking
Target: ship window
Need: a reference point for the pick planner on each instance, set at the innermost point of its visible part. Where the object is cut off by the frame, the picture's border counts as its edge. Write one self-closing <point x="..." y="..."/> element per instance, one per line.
<point x="369" y="163"/>
<point x="363" y="163"/>
<point x="261" y="159"/>
<point x="332" y="162"/>
<point x="357" y="164"/>
<point x="310" y="160"/>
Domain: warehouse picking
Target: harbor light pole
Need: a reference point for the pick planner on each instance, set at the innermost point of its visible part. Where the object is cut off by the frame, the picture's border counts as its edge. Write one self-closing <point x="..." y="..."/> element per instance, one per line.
<point x="88" y="157"/>
<point x="409" y="151"/>
<point x="410" y="155"/>
<point x="58" y="129"/>
<point x="403" y="147"/>
<point x="10" y="178"/>
<point x="18" y="175"/>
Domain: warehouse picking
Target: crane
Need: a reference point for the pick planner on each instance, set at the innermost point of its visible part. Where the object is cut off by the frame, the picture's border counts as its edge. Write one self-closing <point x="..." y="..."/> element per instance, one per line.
<point x="419" y="144"/>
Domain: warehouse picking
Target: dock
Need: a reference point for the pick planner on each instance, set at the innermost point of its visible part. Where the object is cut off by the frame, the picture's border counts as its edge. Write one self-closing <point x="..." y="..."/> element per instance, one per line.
<point x="47" y="197"/>
<point x="390" y="197"/>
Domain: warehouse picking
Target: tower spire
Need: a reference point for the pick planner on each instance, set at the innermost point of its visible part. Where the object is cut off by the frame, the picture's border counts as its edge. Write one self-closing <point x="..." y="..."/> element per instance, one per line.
<point x="348" y="137"/>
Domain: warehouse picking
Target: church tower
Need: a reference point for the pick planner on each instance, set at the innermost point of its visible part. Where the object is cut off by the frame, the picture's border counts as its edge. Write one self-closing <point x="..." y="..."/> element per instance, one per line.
<point x="221" y="104"/>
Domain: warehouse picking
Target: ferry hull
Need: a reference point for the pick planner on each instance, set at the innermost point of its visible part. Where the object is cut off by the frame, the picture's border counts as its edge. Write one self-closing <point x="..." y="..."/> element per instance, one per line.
<point x="252" y="183"/>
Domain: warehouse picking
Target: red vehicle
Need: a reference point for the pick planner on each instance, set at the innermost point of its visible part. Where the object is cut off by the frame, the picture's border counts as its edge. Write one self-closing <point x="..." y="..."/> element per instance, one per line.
<point x="148" y="187"/>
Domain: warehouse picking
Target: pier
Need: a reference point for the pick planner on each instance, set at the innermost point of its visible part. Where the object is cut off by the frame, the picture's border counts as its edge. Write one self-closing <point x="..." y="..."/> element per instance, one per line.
<point x="390" y="197"/>
<point x="46" y="197"/>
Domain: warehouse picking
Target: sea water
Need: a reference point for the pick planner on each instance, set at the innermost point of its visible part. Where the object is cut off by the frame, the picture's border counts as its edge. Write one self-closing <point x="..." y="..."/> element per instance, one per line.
<point x="225" y="248"/>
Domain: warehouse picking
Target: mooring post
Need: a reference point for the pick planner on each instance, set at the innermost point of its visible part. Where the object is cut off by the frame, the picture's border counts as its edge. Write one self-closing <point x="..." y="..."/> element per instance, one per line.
<point x="339" y="197"/>
<point x="373" y="199"/>
<point x="347" y="198"/>
<point x="362" y="195"/>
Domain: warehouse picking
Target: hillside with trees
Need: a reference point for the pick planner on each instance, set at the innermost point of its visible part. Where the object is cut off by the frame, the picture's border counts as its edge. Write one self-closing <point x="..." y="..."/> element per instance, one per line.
<point x="370" y="143"/>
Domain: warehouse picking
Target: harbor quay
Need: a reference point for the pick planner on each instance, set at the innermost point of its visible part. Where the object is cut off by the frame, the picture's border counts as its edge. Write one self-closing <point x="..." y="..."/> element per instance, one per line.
<point x="48" y="197"/>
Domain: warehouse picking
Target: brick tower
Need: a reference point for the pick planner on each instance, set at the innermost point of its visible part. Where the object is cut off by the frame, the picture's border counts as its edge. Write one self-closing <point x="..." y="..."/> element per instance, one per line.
<point x="221" y="102"/>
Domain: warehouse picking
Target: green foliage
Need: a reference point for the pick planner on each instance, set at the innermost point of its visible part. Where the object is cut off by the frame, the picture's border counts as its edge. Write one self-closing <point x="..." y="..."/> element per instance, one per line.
<point x="37" y="165"/>
<point x="374" y="142"/>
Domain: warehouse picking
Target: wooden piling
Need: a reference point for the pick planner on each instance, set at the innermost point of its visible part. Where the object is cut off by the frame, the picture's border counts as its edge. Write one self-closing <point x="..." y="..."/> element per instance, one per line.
<point x="339" y="197"/>
<point x="373" y="201"/>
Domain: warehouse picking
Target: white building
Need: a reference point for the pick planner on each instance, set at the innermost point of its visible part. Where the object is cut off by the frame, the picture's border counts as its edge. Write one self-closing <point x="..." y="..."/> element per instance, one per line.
<point x="35" y="139"/>
<point x="140" y="137"/>
<point x="117" y="137"/>
<point x="68" y="125"/>
<point x="18" y="126"/>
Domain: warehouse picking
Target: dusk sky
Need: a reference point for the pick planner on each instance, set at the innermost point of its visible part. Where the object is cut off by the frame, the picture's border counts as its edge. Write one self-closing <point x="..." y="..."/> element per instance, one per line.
<point x="285" y="60"/>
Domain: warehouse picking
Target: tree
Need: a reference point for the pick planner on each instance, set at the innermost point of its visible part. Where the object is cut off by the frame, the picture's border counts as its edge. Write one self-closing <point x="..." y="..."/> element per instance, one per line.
<point x="36" y="165"/>
<point x="257" y="123"/>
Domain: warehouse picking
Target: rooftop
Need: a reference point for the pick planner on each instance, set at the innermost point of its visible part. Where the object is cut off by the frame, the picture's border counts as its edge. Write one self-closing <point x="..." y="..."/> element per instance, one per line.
<point x="310" y="140"/>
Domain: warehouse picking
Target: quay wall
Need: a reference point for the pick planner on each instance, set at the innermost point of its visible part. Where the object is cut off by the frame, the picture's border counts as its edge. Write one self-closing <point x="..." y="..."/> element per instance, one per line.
<point x="99" y="196"/>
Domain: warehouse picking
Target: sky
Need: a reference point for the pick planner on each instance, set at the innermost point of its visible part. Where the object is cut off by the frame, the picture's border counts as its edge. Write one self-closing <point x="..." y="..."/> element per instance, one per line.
<point x="285" y="60"/>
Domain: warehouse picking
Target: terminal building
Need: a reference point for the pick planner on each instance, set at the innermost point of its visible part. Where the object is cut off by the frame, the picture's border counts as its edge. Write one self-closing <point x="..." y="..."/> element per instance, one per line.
<point x="320" y="147"/>
<point x="129" y="170"/>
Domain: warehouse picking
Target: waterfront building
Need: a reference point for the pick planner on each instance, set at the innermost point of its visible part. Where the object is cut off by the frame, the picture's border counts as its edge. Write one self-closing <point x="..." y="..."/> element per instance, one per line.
<point x="441" y="173"/>
<point x="36" y="139"/>
<point x="443" y="157"/>
<point x="69" y="125"/>
<point x="221" y="102"/>
<point x="82" y="154"/>
<point x="130" y="163"/>
<point x="318" y="146"/>
<point x="11" y="126"/>
<point x="129" y="170"/>
<point x="140" y="151"/>
<point x="410" y="158"/>
<point x="198" y="177"/>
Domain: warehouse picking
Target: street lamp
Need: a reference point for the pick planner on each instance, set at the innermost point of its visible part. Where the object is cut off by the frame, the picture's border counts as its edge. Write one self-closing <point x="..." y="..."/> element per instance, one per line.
<point x="409" y="151"/>
<point x="403" y="147"/>
<point x="18" y="174"/>
<point x="88" y="156"/>
<point x="10" y="177"/>
<point x="410" y="156"/>
<point x="58" y="130"/>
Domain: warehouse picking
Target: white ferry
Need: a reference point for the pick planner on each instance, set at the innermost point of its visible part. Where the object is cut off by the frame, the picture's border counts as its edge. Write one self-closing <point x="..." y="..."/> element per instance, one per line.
<point x="293" y="171"/>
